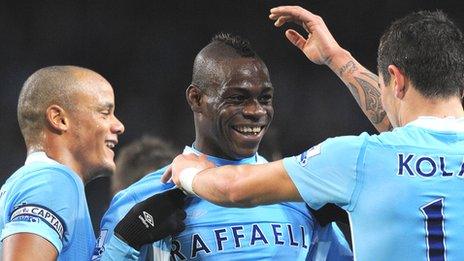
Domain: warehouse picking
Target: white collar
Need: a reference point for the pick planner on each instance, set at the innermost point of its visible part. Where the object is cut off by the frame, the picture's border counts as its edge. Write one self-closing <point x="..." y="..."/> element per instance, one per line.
<point x="39" y="156"/>
<point x="439" y="124"/>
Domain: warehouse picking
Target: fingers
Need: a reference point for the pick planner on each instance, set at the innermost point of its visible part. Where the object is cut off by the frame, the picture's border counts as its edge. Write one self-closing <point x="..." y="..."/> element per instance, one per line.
<point x="175" y="222"/>
<point x="181" y="214"/>
<point x="190" y="156"/>
<point x="290" y="13"/>
<point x="167" y="175"/>
<point x="295" y="38"/>
<point x="180" y="227"/>
<point x="203" y="157"/>
<point x="177" y="195"/>
<point x="280" y="20"/>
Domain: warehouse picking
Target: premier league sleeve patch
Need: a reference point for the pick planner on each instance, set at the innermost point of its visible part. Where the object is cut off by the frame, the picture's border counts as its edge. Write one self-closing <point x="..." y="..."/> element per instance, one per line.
<point x="304" y="157"/>
<point x="36" y="214"/>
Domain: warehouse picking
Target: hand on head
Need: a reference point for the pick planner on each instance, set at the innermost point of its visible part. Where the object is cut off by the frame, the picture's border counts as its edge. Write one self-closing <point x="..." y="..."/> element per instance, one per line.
<point x="319" y="46"/>
<point x="183" y="162"/>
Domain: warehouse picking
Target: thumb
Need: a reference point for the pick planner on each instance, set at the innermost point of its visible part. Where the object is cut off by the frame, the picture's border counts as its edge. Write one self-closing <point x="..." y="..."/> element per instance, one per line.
<point x="167" y="175"/>
<point x="295" y="38"/>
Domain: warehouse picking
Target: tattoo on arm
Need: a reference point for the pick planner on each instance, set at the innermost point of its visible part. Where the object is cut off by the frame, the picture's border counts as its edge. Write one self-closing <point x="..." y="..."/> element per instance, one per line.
<point x="349" y="67"/>
<point x="373" y="108"/>
<point x="372" y="105"/>
<point x="371" y="75"/>
<point x="354" y="92"/>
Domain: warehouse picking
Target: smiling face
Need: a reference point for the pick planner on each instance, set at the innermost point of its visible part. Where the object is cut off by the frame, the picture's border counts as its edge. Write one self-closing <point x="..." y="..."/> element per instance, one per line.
<point x="94" y="128"/>
<point x="237" y="110"/>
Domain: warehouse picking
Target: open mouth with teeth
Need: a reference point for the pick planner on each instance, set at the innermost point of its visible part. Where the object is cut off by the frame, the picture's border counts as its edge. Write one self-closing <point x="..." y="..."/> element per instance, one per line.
<point x="110" y="144"/>
<point x="248" y="130"/>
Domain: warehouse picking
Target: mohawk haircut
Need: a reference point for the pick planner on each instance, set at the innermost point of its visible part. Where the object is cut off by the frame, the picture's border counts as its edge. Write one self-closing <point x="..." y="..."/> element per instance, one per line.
<point x="242" y="46"/>
<point x="214" y="57"/>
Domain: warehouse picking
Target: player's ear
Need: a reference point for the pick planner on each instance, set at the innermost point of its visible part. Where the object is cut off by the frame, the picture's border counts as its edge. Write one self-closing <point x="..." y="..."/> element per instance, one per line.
<point x="57" y="118"/>
<point x="194" y="97"/>
<point x="399" y="81"/>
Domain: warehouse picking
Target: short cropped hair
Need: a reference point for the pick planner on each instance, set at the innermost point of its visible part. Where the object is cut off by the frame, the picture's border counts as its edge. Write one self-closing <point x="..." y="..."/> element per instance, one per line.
<point x="429" y="49"/>
<point x="47" y="86"/>
<point x="139" y="158"/>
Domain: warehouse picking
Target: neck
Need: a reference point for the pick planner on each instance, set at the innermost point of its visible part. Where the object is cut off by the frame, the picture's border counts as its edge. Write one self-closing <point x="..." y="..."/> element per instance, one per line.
<point x="202" y="146"/>
<point x="414" y="107"/>
<point x="62" y="155"/>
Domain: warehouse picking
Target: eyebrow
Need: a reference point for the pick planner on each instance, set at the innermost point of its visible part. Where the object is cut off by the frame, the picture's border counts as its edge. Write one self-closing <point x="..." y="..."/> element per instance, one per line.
<point x="237" y="88"/>
<point x="107" y="105"/>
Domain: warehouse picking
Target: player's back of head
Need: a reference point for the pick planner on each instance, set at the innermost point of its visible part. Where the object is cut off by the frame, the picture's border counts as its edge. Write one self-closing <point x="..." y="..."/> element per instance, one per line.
<point x="429" y="49"/>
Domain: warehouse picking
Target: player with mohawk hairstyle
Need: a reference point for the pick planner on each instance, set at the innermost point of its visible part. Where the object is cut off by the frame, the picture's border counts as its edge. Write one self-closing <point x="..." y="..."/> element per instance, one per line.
<point x="231" y="98"/>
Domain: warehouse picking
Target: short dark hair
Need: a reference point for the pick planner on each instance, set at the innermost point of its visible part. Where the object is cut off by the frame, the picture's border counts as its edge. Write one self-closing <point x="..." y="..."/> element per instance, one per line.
<point x="139" y="158"/>
<point x="222" y="48"/>
<point x="46" y="86"/>
<point x="429" y="49"/>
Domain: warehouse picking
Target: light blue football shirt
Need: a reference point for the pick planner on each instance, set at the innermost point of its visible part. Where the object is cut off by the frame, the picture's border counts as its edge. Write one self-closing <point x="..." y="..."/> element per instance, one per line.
<point x="47" y="199"/>
<point x="404" y="189"/>
<point x="284" y="231"/>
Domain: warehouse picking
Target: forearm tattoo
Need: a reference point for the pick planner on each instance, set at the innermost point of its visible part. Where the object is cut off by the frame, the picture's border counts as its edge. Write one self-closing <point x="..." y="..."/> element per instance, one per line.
<point x="354" y="92"/>
<point x="349" y="67"/>
<point x="372" y="104"/>
<point x="373" y="108"/>
<point x="371" y="75"/>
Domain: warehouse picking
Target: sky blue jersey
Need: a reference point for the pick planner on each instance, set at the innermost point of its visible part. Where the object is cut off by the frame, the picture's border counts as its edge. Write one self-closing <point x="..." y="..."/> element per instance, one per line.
<point x="403" y="189"/>
<point x="284" y="231"/>
<point x="47" y="199"/>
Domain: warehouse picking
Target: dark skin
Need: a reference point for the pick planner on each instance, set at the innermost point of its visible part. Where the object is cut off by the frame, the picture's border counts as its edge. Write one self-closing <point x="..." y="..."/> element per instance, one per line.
<point x="233" y="113"/>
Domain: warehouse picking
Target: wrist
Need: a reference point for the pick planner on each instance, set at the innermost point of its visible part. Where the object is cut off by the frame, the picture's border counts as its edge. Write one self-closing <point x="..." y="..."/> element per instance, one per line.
<point x="338" y="58"/>
<point x="186" y="178"/>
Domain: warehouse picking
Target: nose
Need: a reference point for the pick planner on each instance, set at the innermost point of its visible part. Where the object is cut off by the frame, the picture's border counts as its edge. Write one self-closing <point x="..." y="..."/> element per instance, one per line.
<point x="117" y="127"/>
<point x="254" y="109"/>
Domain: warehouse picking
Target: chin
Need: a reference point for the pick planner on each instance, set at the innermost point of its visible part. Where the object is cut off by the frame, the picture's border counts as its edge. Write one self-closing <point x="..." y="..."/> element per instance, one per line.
<point x="105" y="169"/>
<point x="244" y="153"/>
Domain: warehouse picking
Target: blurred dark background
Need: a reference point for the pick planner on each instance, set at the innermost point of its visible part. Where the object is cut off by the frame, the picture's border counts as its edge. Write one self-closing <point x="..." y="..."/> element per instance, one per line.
<point x="146" y="50"/>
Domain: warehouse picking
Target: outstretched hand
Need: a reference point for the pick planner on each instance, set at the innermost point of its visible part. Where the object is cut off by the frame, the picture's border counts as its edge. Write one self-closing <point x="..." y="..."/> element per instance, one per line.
<point x="182" y="162"/>
<point x="319" y="46"/>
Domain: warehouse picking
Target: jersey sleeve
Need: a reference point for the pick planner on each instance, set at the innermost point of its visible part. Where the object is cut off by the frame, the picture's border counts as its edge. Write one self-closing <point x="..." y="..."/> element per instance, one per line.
<point x="327" y="173"/>
<point x="44" y="205"/>
<point x="108" y="246"/>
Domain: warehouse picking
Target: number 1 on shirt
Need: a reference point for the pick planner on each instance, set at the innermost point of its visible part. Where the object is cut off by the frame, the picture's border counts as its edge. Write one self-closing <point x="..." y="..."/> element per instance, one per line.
<point x="435" y="230"/>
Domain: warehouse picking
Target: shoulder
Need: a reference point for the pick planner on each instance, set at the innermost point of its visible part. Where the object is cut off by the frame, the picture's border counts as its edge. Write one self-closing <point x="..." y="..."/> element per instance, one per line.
<point x="145" y="187"/>
<point x="49" y="193"/>
<point x="407" y="136"/>
<point x="125" y="199"/>
<point x="46" y="179"/>
<point x="346" y="143"/>
<point x="343" y="148"/>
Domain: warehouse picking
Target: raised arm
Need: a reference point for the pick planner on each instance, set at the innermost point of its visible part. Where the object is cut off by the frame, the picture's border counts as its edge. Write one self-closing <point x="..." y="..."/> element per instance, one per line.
<point x="233" y="186"/>
<point x="321" y="48"/>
